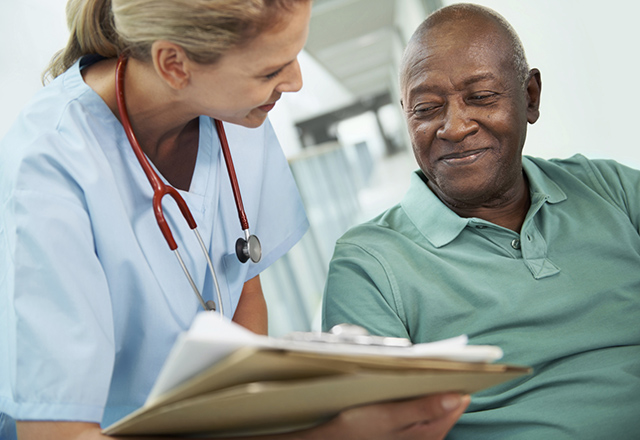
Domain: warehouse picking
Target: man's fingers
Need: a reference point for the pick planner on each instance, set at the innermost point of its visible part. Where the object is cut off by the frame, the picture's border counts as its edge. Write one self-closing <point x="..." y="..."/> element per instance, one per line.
<point x="424" y="418"/>
<point x="434" y="427"/>
<point x="427" y="409"/>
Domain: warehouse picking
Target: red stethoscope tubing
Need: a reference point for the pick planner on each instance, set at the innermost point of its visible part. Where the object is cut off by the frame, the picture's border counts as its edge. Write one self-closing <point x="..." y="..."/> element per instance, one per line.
<point x="248" y="248"/>
<point x="160" y="189"/>
<point x="244" y="223"/>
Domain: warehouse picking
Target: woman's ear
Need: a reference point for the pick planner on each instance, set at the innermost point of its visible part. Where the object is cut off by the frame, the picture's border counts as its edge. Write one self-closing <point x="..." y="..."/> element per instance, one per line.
<point x="171" y="63"/>
<point x="534" y="89"/>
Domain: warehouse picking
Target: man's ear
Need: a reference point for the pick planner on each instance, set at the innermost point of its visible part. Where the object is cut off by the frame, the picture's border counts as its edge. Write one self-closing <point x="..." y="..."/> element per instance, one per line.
<point x="534" y="89"/>
<point x="171" y="63"/>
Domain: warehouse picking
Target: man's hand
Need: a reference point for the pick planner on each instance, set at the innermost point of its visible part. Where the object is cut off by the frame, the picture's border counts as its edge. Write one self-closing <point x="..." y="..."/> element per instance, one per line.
<point x="426" y="418"/>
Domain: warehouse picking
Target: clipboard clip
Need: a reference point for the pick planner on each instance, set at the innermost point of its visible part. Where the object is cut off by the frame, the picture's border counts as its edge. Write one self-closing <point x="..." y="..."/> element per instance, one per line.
<point x="348" y="334"/>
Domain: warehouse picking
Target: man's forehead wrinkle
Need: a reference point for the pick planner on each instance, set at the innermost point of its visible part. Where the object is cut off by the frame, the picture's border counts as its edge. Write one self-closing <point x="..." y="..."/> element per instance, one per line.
<point x="478" y="38"/>
<point x="424" y="63"/>
<point x="418" y="62"/>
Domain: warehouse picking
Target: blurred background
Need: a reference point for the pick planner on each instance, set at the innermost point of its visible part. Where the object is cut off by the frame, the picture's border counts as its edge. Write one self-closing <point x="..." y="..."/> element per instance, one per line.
<point x="344" y="133"/>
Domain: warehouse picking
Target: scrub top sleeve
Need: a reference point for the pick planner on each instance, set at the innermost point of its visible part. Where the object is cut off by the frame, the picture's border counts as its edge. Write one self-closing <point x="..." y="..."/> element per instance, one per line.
<point x="282" y="220"/>
<point x="361" y="290"/>
<point x="59" y="330"/>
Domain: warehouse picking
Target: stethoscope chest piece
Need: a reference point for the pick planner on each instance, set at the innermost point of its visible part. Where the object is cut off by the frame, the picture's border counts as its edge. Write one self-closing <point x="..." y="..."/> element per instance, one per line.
<point x="249" y="249"/>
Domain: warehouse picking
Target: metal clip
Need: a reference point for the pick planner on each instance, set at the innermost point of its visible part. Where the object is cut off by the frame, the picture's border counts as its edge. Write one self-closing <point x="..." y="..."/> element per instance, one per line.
<point x="348" y="334"/>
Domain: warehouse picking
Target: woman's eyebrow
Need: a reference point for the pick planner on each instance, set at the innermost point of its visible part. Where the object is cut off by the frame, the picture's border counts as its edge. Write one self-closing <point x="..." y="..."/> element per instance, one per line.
<point x="271" y="69"/>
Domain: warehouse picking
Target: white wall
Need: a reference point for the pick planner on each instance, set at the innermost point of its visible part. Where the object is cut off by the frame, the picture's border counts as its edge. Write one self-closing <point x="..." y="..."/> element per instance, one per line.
<point x="587" y="52"/>
<point x="587" y="55"/>
<point x="31" y="31"/>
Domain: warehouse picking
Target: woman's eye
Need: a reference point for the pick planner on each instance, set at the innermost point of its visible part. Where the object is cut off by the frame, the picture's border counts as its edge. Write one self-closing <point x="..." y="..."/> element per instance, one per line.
<point x="274" y="74"/>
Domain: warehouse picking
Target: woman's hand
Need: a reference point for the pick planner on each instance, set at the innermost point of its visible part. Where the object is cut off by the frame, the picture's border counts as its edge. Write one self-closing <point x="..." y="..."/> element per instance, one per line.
<point x="425" y="418"/>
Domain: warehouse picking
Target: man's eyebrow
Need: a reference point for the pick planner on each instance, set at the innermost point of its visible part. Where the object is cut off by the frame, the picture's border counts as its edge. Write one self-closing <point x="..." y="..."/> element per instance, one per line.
<point x="429" y="88"/>
<point x="478" y="78"/>
<point x="423" y="87"/>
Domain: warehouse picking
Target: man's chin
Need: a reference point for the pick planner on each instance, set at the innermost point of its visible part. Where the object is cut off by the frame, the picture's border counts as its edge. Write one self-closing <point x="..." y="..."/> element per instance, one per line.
<point x="460" y="193"/>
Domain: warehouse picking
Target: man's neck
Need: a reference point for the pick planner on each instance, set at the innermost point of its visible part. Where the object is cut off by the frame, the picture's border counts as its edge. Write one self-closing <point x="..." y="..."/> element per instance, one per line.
<point x="508" y="211"/>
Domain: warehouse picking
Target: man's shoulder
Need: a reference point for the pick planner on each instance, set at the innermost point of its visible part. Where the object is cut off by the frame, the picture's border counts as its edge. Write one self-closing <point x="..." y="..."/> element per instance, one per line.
<point x="593" y="172"/>
<point x="577" y="164"/>
<point x="378" y="231"/>
<point x="572" y="163"/>
<point x="608" y="179"/>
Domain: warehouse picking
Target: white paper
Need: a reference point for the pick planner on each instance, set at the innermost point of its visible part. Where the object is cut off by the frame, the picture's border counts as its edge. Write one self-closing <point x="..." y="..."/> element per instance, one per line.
<point x="212" y="338"/>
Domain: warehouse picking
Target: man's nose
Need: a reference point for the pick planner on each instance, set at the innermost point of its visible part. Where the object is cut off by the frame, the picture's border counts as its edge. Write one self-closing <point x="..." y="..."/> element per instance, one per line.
<point x="457" y="122"/>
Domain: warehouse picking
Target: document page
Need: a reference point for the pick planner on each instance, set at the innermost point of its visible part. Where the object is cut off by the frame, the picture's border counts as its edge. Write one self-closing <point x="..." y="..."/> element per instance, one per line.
<point x="212" y="338"/>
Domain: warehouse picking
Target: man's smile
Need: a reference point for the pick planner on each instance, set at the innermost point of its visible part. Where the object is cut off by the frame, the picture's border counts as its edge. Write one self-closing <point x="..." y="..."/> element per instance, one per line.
<point x="463" y="157"/>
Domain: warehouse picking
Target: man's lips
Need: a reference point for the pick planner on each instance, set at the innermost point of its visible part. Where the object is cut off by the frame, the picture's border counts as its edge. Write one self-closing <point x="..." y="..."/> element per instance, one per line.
<point x="463" y="157"/>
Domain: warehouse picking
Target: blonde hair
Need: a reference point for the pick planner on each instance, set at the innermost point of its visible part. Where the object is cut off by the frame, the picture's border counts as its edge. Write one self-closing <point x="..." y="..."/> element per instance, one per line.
<point x="205" y="29"/>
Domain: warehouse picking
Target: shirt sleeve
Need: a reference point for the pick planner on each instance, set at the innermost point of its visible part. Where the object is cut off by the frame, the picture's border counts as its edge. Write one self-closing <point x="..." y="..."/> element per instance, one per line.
<point x="618" y="183"/>
<point x="361" y="289"/>
<point x="273" y="204"/>
<point x="623" y="183"/>
<point x="55" y="314"/>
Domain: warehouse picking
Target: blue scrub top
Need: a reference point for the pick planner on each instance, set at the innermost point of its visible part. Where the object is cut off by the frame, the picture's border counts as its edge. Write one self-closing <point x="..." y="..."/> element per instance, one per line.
<point x="91" y="297"/>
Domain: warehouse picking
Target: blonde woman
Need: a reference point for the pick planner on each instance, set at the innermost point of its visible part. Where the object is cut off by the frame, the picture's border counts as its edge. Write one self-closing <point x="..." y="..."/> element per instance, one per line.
<point x="91" y="298"/>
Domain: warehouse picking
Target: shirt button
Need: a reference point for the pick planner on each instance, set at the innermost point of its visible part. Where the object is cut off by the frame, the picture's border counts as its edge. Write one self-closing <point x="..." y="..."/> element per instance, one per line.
<point x="515" y="244"/>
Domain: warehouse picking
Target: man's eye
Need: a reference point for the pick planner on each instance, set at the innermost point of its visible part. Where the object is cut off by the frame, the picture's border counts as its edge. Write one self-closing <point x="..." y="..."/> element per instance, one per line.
<point x="483" y="97"/>
<point x="425" y="109"/>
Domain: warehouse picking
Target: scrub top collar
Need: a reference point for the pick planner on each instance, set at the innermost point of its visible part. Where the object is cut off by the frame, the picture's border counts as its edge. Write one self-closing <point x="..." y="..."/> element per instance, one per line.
<point x="440" y="225"/>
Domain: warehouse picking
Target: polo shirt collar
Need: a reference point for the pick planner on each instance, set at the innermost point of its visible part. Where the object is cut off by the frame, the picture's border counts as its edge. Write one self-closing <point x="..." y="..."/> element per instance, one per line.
<point x="440" y="225"/>
<point x="435" y="221"/>
<point x="540" y="184"/>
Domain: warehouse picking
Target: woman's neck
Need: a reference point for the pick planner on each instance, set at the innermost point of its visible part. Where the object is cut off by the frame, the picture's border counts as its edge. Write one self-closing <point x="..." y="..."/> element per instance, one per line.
<point x="167" y="134"/>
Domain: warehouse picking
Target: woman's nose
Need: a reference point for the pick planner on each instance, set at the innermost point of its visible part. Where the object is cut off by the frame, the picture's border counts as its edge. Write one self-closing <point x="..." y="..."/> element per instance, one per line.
<point x="292" y="80"/>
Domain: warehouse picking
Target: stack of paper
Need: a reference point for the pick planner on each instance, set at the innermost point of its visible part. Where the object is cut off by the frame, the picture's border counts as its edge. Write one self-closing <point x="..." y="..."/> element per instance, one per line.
<point x="223" y="379"/>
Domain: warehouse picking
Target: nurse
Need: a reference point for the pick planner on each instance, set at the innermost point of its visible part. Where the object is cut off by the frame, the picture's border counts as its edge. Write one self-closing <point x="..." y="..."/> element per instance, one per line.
<point x="91" y="298"/>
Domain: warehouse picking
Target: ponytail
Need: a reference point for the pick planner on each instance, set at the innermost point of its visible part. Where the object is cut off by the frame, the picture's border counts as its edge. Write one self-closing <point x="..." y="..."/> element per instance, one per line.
<point x="205" y="29"/>
<point x="92" y="31"/>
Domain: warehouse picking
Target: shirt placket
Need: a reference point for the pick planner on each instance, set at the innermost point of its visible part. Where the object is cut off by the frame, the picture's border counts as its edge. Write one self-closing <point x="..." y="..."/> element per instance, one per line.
<point x="532" y="243"/>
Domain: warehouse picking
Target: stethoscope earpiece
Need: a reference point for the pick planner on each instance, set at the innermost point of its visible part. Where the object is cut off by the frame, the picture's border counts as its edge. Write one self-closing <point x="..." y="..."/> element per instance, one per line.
<point x="249" y="249"/>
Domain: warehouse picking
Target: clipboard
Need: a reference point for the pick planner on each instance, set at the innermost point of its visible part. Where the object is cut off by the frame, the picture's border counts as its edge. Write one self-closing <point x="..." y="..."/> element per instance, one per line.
<point x="259" y="390"/>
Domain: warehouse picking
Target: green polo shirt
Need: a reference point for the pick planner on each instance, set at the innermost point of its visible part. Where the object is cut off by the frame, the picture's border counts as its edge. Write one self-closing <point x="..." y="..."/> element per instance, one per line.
<point x="562" y="296"/>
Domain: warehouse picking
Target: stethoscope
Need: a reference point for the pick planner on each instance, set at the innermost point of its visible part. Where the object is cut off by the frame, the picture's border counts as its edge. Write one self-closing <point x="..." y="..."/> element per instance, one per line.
<point x="247" y="248"/>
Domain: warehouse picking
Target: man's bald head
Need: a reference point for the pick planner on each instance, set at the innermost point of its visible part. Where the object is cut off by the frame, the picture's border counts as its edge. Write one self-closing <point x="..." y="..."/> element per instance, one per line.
<point x="460" y="17"/>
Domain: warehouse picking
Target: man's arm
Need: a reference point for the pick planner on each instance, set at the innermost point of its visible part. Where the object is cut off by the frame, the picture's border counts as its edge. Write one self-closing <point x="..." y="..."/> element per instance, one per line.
<point x="426" y="418"/>
<point x="361" y="289"/>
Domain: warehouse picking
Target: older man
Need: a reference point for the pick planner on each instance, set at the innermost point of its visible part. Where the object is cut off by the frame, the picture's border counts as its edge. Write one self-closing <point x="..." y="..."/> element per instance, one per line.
<point x="541" y="258"/>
